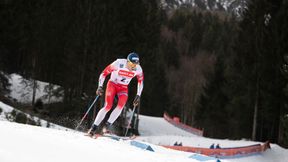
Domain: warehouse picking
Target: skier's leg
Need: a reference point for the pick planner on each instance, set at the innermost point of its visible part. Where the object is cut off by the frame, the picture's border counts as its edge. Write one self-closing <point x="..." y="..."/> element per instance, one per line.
<point x="123" y="96"/>
<point x="109" y="97"/>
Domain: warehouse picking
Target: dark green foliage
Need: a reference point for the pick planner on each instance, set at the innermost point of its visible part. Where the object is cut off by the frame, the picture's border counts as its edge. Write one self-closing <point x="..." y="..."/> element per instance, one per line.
<point x="247" y="75"/>
<point x="200" y="4"/>
<point x="256" y="82"/>
<point x="198" y="34"/>
<point x="32" y="122"/>
<point x="212" y="107"/>
<point x="69" y="43"/>
<point x="4" y="84"/>
<point x="13" y="115"/>
<point x="170" y="53"/>
<point x="21" y="118"/>
<point x="280" y="35"/>
<point x="284" y="137"/>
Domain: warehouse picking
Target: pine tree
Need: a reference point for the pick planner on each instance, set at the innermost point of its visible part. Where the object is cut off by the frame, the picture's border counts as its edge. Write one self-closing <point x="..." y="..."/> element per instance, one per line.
<point x="256" y="80"/>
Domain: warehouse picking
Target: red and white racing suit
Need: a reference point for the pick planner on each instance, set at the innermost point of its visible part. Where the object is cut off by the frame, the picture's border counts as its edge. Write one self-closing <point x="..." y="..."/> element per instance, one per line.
<point x="118" y="84"/>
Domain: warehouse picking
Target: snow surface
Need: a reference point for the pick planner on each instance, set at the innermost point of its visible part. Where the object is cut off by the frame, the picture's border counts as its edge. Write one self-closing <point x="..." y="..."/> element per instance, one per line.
<point x="6" y="111"/>
<point x="22" y="91"/>
<point x="26" y="143"/>
<point x="158" y="131"/>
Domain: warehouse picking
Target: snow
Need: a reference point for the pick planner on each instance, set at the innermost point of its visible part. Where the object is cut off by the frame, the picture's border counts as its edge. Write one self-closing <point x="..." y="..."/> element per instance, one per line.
<point x="6" y="112"/>
<point x="26" y="143"/>
<point x="156" y="130"/>
<point x="22" y="90"/>
<point x="160" y="127"/>
<point x="163" y="133"/>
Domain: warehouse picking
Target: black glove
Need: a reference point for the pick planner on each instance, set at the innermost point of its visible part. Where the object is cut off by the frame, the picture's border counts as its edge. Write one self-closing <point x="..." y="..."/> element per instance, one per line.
<point x="136" y="100"/>
<point x="99" y="91"/>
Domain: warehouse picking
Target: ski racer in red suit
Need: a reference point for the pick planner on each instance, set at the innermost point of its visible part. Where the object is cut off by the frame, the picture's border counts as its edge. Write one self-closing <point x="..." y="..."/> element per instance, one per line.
<point x="122" y="71"/>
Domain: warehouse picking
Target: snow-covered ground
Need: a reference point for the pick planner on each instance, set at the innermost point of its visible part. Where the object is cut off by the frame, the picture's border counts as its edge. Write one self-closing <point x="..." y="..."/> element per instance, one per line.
<point x="25" y="143"/>
<point x="6" y="113"/>
<point x="22" y="90"/>
<point x="19" y="142"/>
<point x="158" y="131"/>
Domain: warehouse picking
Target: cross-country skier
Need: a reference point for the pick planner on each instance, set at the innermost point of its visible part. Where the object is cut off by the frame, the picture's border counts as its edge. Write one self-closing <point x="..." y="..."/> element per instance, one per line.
<point x="122" y="71"/>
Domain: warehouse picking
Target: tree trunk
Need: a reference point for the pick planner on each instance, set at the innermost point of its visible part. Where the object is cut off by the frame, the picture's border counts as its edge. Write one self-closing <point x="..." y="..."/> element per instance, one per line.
<point x="34" y="91"/>
<point x="255" y="111"/>
<point x="85" y="51"/>
<point x="34" y="81"/>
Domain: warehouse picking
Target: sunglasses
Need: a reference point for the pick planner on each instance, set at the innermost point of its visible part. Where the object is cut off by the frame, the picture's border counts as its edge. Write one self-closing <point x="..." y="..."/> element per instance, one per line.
<point x="131" y="64"/>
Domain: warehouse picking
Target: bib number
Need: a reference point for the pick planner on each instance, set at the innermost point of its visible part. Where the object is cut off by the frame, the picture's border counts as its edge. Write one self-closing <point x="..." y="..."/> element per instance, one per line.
<point x="123" y="79"/>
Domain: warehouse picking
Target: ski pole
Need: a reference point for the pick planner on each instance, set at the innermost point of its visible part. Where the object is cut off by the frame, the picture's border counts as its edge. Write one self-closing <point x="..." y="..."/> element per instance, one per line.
<point x="87" y="111"/>
<point x="130" y="120"/>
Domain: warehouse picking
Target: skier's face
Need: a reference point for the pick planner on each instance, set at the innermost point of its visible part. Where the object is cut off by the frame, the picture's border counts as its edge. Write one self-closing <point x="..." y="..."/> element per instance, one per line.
<point x="131" y="65"/>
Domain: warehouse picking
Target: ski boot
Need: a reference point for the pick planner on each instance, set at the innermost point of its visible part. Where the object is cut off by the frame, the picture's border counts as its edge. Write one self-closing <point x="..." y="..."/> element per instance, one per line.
<point x="108" y="128"/>
<point x="92" y="131"/>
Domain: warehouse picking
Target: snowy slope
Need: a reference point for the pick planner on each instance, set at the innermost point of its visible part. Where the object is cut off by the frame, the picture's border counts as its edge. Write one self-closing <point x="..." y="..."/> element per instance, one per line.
<point x="156" y="126"/>
<point x="6" y="112"/>
<point x="27" y="143"/>
<point x="163" y="133"/>
<point x="19" y="142"/>
<point x="22" y="90"/>
<point x="158" y="131"/>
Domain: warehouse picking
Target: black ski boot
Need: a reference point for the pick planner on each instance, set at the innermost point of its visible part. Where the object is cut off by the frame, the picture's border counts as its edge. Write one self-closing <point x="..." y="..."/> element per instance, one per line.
<point x="93" y="130"/>
<point x="108" y="128"/>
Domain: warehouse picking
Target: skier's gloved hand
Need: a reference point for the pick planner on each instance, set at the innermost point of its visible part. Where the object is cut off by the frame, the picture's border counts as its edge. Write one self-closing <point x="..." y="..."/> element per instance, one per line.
<point x="136" y="100"/>
<point x="99" y="91"/>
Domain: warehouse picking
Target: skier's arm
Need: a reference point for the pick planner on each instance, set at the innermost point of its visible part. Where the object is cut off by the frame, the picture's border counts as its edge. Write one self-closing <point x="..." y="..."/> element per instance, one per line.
<point x="106" y="72"/>
<point x="140" y="78"/>
<point x="140" y="85"/>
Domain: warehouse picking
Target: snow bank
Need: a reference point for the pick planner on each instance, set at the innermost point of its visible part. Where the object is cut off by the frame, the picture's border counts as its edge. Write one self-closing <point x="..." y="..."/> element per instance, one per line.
<point x="22" y="90"/>
<point x="27" y="143"/>
<point x="6" y="114"/>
